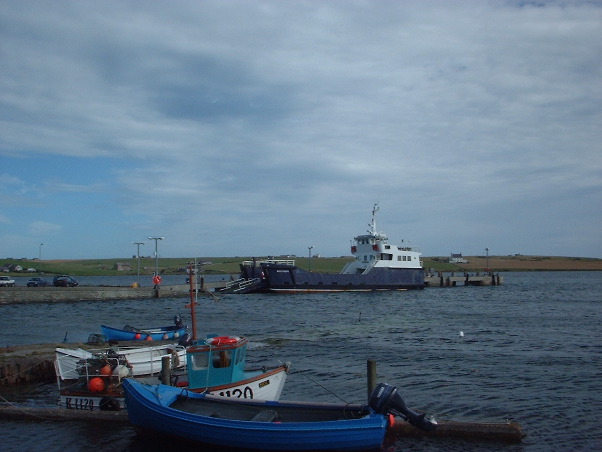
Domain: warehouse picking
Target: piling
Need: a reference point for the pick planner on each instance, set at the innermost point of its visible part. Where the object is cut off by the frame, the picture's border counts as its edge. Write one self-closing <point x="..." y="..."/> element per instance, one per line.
<point x="371" y="373"/>
<point x="166" y="370"/>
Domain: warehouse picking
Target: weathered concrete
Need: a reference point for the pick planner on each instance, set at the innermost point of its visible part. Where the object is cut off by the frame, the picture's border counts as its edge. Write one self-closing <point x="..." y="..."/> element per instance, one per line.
<point x="93" y="293"/>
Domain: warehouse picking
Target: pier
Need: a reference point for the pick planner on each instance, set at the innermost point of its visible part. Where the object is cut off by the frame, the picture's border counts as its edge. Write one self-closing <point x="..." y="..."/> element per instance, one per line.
<point x="466" y="279"/>
<point x="10" y="295"/>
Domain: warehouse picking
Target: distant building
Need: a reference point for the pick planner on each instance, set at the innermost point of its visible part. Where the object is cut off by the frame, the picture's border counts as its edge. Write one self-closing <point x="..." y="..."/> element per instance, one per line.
<point x="121" y="267"/>
<point x="457" y="259"/>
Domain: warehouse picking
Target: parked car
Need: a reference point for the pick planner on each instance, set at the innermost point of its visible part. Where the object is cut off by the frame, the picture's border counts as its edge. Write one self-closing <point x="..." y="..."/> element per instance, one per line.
<point x="64" y="281"/>
<point x="37" y="282"/>
<point x="7" y="281"/>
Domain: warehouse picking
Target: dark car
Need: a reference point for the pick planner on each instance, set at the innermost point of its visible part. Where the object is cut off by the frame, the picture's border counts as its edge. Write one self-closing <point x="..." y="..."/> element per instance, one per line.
<point x="64" y="281"/>
<point x="37" y="282"/>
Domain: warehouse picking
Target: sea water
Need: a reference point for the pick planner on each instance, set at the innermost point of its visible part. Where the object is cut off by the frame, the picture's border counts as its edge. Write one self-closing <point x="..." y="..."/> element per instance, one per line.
<point x="528" y="351"/>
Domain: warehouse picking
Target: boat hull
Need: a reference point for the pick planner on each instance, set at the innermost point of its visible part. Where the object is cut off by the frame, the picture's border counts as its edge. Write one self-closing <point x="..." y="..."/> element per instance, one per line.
<point x="291" y="279"/>
<point x="160" y="333"/>
<point x="266" y="385"/>
<point x="285" y="425"/>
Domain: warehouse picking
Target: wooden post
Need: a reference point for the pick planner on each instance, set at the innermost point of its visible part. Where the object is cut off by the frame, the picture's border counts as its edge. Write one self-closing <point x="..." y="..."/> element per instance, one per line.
<point x="371" y="373"/>
<point x="166" y="370"/>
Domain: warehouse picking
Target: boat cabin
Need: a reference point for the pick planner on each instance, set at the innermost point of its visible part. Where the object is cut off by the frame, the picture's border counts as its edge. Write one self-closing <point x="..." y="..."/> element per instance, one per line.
<point x="373" y="250"/>
<point x="216" y="361"/>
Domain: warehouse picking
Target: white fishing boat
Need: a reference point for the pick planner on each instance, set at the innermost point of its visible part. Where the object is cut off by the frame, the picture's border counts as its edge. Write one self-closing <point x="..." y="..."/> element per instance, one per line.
<point x="143" y="360"/>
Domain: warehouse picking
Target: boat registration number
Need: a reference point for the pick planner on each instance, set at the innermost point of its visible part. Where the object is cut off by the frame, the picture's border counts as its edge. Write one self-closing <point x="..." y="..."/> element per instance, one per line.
<point x="77" y="403"/>
<point x="238" y="393"/>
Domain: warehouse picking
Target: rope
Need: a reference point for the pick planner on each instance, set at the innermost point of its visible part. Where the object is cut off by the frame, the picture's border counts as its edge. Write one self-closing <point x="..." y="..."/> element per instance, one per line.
<point x="22" y="410"/>
<point x="24" y="371"/>
<point x="321" y="385"/>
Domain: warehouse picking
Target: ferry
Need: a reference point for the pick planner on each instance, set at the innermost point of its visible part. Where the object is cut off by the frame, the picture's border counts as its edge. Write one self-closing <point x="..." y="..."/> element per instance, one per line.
<point x="377" y="266"/>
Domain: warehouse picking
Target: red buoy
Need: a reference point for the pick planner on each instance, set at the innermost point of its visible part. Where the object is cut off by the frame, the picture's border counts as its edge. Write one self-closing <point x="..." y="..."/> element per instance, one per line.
<point x="96" y="385"/>
<point x="106" y="370"/>
<point x="137" y="336"/>
<point x="149" y="338"/>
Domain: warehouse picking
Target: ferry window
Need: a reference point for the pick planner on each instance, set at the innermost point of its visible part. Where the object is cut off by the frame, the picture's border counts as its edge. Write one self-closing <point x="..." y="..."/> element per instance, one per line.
<point x="200" y="360"/>
<point x="222" y="359"/>
<point x="399" y="258"/>
<point x="387" y="247"/>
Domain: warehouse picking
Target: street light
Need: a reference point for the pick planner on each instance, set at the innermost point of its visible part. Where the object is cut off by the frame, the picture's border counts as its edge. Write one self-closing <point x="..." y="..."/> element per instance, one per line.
<point x="487" y="258"/>
<point x="138" y="259"/>
<point x="310" y="248"/>
<point x="156" y="239"/>
<point x="40" y="256"/>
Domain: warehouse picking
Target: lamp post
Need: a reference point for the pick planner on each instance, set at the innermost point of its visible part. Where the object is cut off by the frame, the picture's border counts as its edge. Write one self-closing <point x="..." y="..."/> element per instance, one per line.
<point x="309" y="252"/>
<point x="156" y="239"/>
<point x="138" y="260"/>
<point x="40" y="255"/>
<point x="487" y="258"/>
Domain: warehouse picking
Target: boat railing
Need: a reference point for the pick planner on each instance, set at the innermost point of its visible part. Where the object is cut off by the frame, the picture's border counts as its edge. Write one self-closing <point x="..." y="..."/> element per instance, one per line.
<point x="269" y="261"/>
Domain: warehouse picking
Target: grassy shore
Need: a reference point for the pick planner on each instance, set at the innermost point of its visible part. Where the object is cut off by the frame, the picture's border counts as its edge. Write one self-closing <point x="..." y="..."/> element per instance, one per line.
<point x="230" y="265"/>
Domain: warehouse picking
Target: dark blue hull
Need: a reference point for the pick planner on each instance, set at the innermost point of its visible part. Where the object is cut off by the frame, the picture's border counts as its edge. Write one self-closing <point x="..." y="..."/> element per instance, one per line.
<point x="291" y="279"/>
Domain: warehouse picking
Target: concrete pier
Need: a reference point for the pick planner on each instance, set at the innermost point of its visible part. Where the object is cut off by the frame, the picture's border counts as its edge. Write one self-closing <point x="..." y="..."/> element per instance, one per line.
<point x="453" y="280"/>
<point x="93" y="293"/>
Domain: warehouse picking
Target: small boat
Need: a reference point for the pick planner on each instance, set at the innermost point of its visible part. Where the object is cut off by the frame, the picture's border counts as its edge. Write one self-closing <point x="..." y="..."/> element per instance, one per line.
<point x="377" y="266"/>
<point x="91" y="379"/>
<point x="225" y="423"/>
<point x="160" y="333"/>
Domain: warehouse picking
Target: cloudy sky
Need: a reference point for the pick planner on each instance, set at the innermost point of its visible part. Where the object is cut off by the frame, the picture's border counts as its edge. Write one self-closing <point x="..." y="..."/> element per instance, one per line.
<point x="240" y="128"/>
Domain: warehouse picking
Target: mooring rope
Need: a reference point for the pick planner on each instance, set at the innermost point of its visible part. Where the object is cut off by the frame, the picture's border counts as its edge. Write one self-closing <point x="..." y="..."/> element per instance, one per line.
<point x="320" y="385"/>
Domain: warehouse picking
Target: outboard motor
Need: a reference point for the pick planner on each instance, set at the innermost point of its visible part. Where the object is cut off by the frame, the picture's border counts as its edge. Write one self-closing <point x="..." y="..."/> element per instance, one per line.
<point x="178" y="321"/>
<point x="185" y="340"/>
<point x="385" y="399"/>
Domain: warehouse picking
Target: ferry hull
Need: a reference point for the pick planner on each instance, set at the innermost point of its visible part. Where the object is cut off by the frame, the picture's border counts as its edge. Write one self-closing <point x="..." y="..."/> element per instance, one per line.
<point x="291" y="279"/>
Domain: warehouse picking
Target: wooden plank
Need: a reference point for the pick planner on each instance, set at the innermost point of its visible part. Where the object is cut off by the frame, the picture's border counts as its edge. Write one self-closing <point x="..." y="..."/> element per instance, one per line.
<point x="510" y="432"/>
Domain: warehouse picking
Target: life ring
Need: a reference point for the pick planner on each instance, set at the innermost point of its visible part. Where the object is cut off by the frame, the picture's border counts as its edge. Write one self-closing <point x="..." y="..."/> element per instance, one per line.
<point x="223" y="340"/>
<point x="175" y="359"/>
<point x="109" y="404"/>
<point x="157" y="279"/>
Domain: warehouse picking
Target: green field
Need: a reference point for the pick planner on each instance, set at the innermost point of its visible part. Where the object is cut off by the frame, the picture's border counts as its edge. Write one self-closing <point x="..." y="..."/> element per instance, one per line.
<point x="230" y="265"/>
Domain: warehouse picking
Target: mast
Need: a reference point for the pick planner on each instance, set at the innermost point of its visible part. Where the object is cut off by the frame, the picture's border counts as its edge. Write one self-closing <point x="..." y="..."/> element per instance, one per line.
<point x="192" y="273"/>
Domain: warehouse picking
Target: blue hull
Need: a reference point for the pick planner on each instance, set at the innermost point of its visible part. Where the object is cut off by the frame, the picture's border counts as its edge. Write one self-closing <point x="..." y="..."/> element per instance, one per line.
<point x="291" y="279"/>
<point x="134" y="334"/>
<point x="252" y="425"/>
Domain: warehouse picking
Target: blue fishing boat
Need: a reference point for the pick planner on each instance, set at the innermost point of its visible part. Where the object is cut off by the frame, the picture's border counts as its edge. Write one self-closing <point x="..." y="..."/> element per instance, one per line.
<point x="225" y="423"/>
<point x="159" y="333"/>
<point x="377" y="266"/>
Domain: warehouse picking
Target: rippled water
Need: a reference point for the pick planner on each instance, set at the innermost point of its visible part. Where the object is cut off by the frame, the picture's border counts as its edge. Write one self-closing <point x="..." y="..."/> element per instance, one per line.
<point x="530" y="351"/>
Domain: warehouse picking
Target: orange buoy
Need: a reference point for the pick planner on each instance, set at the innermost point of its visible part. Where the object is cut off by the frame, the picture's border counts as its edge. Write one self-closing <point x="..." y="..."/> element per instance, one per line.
<point x="137" y="336"/>
<point x="223" y="340"/>
<point x="96" y="385"/>
<point x="106" y="370"/>
<point x="149" y="338"/>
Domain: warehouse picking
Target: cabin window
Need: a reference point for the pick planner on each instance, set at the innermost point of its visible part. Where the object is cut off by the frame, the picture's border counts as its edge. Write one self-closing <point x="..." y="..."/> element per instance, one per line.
<point x="200" y="361"/>
<point x="387" y="247"/>
<point x="222" y="358"/>
<point x="240" y="355"/>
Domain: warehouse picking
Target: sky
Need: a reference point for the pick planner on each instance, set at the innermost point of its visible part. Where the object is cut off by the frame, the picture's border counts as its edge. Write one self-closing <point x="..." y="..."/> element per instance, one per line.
<point x="255" y="128"/>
